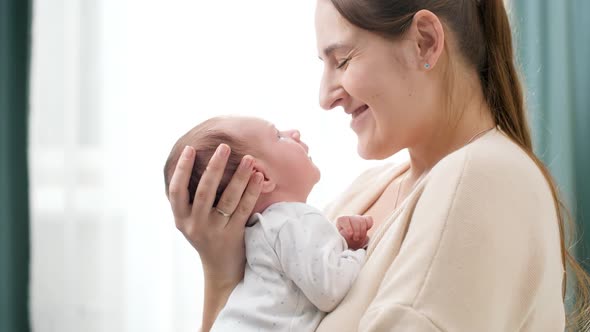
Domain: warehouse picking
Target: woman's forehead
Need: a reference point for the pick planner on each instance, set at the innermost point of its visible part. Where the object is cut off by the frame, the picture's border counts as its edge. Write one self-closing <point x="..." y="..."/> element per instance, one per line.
<point x="332" y="30"/>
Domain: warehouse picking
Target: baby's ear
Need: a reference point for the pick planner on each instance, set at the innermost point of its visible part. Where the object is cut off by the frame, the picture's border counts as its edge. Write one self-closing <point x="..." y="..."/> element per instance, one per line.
<point x="268" y="184"/>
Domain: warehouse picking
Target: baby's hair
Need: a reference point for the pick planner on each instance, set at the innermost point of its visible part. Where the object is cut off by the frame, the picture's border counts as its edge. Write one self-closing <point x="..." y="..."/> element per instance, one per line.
<point x="205" y="138"/>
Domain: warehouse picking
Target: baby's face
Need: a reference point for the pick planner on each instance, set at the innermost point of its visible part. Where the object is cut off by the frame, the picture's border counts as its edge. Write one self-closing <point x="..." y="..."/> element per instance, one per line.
<point x="283" y="155"/>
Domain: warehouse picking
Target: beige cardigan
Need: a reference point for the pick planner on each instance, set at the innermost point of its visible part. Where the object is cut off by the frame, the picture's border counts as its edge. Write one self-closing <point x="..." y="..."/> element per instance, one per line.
<point x="475" y="247"/>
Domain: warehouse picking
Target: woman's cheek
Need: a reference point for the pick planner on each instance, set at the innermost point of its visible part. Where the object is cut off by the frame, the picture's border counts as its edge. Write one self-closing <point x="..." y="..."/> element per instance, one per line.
<point x="357" y="83"/>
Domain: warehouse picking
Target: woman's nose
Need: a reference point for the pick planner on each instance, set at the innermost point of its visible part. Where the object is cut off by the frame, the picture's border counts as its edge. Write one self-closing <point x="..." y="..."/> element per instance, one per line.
<point x="332" y="94"/>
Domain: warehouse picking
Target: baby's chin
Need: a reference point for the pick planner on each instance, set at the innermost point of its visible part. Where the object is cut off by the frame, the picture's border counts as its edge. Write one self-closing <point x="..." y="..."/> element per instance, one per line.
<point x="307" y="192"/>
<point x="316" y="178"/>
<point x="318" y="174"/>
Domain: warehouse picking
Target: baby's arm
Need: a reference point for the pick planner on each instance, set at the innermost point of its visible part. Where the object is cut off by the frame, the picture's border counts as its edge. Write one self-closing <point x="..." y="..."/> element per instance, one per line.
<point x="315" y="256"/>
<point x="354" y="230"/>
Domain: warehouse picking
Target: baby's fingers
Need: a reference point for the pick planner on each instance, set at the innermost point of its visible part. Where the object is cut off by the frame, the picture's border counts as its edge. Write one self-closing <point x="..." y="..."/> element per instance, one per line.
<point x="343" y="225"/>
<point x="357" y="227"/>
<point x="369" y="221"/>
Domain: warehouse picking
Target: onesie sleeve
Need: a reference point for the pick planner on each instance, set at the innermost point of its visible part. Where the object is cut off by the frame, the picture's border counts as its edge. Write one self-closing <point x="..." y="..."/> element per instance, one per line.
<point x="315" y="256"/>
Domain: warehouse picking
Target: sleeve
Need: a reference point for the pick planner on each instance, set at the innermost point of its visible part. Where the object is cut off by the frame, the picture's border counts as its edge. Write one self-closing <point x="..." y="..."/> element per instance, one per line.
<point x="315" y="256"/>
<point x="478" y="250"/>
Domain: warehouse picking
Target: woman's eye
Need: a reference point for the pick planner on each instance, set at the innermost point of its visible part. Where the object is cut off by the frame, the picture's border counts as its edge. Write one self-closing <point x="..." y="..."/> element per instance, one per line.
<point x="342" y="63"/>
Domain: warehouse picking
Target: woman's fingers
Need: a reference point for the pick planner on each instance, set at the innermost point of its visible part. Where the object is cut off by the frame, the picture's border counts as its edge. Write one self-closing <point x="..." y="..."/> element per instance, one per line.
<point x="178" y="189"/>
<point x="247" y="201"/>
<point x="232" y="194"/>
<point x="207" y="187"/>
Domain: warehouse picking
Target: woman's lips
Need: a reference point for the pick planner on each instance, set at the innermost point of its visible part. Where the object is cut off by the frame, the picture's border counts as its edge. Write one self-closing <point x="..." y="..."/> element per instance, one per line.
<point x="357" y="117"/>
<point x="359" y="110"/>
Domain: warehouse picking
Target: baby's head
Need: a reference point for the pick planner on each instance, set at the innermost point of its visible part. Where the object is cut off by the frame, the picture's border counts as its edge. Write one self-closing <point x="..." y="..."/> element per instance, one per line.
<point x="289" y="173"/>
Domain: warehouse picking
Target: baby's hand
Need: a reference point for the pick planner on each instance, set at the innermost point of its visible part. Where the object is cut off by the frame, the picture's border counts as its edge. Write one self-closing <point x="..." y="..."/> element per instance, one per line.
<point x="354" y="230"/>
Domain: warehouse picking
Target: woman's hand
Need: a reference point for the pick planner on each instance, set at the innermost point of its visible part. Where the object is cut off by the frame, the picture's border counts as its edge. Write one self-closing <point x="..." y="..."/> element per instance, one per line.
<point x="216" y="233"/>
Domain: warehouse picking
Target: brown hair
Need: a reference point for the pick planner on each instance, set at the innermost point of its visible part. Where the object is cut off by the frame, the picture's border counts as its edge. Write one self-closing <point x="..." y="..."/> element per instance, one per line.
<point x="484" y="40"/>
<point x="205" y="138"/>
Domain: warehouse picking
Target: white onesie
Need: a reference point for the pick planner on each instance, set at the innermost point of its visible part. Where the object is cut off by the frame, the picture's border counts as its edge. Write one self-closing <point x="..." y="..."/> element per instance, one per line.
<point x="298" y="268"/>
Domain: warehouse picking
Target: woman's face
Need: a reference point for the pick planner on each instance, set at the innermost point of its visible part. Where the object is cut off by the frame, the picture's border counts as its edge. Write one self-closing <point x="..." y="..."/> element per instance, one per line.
<point x="375" y="81"/>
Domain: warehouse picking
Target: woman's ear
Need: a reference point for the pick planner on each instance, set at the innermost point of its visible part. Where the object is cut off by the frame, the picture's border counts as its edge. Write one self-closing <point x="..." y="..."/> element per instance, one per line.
<point x="430" y="38"/>
<point x="268" y="184"/>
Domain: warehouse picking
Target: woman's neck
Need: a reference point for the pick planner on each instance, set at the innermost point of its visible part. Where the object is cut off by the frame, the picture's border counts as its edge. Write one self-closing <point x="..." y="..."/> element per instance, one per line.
<point x="474" y="121"/>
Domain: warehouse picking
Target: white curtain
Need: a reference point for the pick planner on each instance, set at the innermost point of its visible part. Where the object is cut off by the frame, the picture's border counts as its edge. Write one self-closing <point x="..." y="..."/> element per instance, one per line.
<point x="114" y="84"/>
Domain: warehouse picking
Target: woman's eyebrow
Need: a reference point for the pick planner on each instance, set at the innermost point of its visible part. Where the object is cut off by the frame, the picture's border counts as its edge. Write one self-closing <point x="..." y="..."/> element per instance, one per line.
<point x="332" y="48"/>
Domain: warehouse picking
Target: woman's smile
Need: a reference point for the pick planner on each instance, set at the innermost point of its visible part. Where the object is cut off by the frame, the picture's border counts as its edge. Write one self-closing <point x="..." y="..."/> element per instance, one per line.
<point x="357" y="117"/>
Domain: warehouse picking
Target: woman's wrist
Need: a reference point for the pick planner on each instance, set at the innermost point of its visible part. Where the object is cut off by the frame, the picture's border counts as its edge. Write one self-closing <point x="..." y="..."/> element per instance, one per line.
<point x="222" y="281"/>
<point x="217" y="292"/>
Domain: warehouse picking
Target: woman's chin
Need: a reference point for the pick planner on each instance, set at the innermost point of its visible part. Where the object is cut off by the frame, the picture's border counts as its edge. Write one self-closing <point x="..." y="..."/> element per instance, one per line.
<point x="365" y="152"/>
<point x="371" y="151"/>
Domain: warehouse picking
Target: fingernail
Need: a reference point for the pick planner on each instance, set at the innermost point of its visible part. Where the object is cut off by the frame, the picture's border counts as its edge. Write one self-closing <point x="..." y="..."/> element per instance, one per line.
<point x="246" y="163"/>
<point x="222" y="150"/>
<point x="187" y="153"/>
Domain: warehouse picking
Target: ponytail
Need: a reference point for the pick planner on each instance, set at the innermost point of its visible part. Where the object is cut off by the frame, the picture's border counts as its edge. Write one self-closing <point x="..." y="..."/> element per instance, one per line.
<point x="498" y="74"/>
<point x="503" y="91"/>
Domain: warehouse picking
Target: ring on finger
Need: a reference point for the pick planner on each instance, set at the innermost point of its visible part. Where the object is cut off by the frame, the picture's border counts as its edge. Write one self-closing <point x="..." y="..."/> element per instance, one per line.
<point x="221" y="212"/>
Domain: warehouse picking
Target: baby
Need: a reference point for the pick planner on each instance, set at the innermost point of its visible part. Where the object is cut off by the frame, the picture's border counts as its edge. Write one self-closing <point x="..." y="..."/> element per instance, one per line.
<point x="299" y="266"/>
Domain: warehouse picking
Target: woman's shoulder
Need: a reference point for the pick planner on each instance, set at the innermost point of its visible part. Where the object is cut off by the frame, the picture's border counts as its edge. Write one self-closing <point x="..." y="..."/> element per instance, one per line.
<point x="493" y="180"/>
<point x="494" y="160"/>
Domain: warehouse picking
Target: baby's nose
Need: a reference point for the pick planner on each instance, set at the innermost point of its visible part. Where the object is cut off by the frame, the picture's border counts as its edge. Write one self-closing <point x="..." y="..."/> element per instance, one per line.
<point x="295" y="134"/>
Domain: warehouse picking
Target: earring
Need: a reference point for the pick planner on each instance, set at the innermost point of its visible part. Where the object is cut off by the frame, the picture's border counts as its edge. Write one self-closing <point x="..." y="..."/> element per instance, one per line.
<point x="427" y="65"/>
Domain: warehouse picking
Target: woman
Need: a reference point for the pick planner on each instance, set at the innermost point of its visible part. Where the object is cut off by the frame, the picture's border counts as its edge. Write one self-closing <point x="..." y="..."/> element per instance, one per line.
<point x="468" y="235"/>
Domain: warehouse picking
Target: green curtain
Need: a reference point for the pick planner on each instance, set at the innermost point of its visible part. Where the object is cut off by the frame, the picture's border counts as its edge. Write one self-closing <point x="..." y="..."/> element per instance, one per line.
<point x="14" y="206"/>
<point x="553" y="44"/>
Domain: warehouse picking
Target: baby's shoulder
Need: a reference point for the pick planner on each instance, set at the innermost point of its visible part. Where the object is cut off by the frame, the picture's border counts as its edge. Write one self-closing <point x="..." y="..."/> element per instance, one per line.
<point x="292" y="214"/>
<point x="285" y="211"/>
